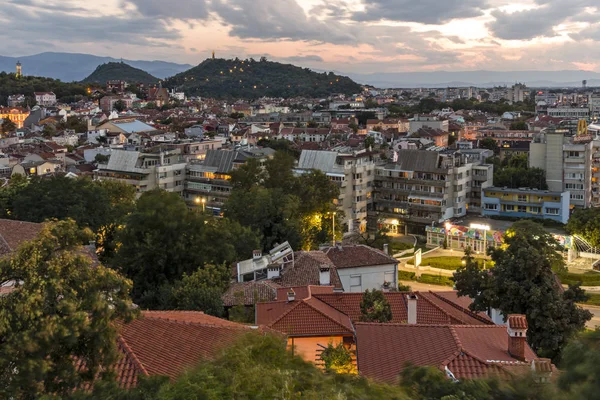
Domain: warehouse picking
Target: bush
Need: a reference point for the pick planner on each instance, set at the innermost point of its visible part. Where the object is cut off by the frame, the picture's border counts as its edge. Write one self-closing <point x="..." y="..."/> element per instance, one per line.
<point x="406" y="276"/>
<point x="587" y="279"/>
<point x="447" y="263"/>
<point x="436" y="280"/>
<point x="594" y="299"/>
<point x="398" y="247"/>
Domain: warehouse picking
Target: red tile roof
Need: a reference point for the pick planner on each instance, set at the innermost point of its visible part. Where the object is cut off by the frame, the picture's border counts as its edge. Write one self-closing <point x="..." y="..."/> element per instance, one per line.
<point x="13" y="233"/>
<point x="306" y="270"/>
<point x="168" y="342"/>
<point x="517" y="321"/>
<point x="250" y="293"/>
<point x="357" y="256"/>
<point x="467" y="351"/>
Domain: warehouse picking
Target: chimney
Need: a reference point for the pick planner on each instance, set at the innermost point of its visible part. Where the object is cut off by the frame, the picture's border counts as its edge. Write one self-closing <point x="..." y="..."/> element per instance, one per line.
<point x="256" y="254"/>
<point x="517" y="334"/>
<point x="385" y="248"/>
<point x="412" y="308"/>
<point x="291" y="295"/>
<point x="324" y="275"/>
<point x="273" y="272"/>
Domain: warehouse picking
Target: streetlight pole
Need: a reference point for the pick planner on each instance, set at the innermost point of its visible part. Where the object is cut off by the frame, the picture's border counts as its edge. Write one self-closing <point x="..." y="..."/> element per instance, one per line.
<point x="448" y="225"/>
<point x="333" y="226"/>
<point x="203" y="205"/>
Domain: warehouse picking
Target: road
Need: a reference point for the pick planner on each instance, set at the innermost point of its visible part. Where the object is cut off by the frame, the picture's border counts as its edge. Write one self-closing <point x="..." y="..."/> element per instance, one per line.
<point x="424" y="287"/>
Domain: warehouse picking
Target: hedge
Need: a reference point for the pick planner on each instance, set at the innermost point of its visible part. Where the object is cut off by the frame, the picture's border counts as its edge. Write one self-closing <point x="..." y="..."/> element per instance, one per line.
<point x="436" y="280"/>
<point x="448" y="263"/>
<point x="587" y="279"/>
<point x="406" y="276"/>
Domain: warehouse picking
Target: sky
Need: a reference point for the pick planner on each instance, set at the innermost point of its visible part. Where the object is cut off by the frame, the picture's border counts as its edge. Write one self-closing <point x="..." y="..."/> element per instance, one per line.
<point x="359" y="36"/>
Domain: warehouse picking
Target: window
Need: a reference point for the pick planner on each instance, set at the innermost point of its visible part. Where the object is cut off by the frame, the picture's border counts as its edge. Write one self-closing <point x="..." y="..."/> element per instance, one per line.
<point x="534" y="210"/>
<point x="573" y="154"/>
<point x="389" y="277"/>
<point x="522" y="209"/>
<point x="522" y="198"/>
<point x="576" y="197"/>
<point x="355" y="283"/>
<point x="552" y="211"/>
<point x="489" y="206"/>
<point x="576" y="186"/>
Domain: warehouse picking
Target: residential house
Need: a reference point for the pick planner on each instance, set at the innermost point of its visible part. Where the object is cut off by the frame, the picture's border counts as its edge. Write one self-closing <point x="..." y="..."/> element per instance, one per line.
<point x="526" y="203"/>
<point x="18" y="115"/>
<point x="37" y="168"/>
<point x="159" y="96"/>
<point x="429" y="121"/>
<point x="439" y="137"/>
<point x="45" y="99"/>
<point x="460" y="351"/>
<point x="398" y="124"/>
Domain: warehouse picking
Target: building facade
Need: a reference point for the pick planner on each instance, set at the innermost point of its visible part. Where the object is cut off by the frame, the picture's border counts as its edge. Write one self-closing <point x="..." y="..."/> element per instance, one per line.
<point x="424" y="188"/>
<point x="45" y="98"/>
<point x="157" y="169"/>
<point x="526" y="203"/>
<point x="15" y="114"/>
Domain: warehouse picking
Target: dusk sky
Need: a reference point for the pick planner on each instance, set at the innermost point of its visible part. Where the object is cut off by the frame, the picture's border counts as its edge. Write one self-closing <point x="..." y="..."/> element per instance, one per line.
<point x="342" y="35"/>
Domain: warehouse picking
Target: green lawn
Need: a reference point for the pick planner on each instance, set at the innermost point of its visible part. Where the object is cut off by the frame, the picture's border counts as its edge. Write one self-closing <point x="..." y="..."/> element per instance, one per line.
<point x="594" y="299"/>
<point x="448" y="263"/>
<point x="587" y="279"/>
<point x="426" y="278"/>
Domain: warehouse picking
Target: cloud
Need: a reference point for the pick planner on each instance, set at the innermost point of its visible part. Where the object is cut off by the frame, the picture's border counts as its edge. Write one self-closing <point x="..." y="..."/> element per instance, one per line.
<point x="539" y="21"/>
<point x="181" y="9"/>
<point x="29" y="23"/>
<point x="422" y="11"/>
<point x="279" y="20"/>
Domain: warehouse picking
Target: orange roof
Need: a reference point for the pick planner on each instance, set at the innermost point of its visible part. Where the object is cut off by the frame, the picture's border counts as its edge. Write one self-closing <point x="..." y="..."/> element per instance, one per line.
<point x="13" y="233"/>
<point x="168" y="342"/>
<point x="468" y="351"/>
<point x="517" y="321"/>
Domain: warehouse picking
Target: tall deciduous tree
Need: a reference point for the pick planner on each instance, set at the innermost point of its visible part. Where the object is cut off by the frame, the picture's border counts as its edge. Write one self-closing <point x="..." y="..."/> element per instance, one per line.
<point x="522" y="282"/>
<point x="8" y="125"/>
<point x="61" y="315"/>
<point x="586" y="223"/>
<point x="374" y="307"/>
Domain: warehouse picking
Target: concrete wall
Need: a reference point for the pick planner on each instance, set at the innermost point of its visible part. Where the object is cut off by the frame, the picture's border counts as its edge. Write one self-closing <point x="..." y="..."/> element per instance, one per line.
<point x="370" y="277"/>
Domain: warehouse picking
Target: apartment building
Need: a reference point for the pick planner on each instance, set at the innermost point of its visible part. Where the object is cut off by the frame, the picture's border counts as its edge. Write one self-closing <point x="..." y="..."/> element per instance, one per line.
<point x="569" y="112"/>
<point x="428" y="121"/>
<point x="526" y="203"/>
<point x="567" y="162"/>
<point x="353" y="173"/>
<point x="426" y="187"/>
<point x="208" y="181"/>
<point x="148" y="170"/>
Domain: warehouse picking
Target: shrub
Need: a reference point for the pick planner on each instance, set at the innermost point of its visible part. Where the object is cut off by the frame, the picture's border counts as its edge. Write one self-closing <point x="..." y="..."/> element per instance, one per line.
<point x="406" y="276"/>
<point x="448" y="263"/>
<point x="436" y="280"/>
<point x="587" y="279"/>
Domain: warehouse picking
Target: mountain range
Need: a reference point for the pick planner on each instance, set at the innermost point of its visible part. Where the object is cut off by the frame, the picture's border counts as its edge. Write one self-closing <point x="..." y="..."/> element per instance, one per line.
<point x="76" y="67"/>
<point x="69" y="67"/>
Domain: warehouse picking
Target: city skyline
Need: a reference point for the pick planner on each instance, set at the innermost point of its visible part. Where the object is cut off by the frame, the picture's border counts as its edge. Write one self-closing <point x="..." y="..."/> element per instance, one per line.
<point x="346" y="35"/>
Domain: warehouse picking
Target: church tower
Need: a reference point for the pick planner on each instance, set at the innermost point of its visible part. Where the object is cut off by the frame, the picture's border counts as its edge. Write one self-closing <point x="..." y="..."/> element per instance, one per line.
<point x="19" y="72"/>
<point x="213" y="55"/>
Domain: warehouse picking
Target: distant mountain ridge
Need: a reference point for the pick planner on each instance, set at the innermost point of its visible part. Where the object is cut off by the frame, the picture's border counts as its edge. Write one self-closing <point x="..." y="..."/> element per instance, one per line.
<point x="565" y="78"/>
<point x="74" y="67"/>
<point x="221" y="78"/>
<point x="121" y="72"/>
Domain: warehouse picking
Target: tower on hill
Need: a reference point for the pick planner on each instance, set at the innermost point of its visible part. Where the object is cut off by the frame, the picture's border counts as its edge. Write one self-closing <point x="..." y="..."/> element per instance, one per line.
<point x="19" y="71"/>
<point x="213" y="54"/>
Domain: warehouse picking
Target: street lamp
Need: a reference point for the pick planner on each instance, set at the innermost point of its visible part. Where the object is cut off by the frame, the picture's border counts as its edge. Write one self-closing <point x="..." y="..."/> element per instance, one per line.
<point x="484" y="228"/>
<point x="333" y="225"/>
<point x="448" y="226"/>
<point x="203" y="204"/>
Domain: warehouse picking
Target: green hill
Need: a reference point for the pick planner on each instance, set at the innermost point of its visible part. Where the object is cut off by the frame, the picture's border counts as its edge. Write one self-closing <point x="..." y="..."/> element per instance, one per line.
<point x="220" y="78"/>
<point x="121" y="72"/>
<point x="27" y="85"/>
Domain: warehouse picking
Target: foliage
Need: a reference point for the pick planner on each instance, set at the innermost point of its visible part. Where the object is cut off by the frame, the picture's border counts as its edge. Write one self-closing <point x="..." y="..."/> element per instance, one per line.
<point x="581" y="363"/>
<point x="119" y="106"/>
<point x="90" y="203"/>
<point x="280" y="145"/>
<point x="519" y="126"/>
<point x="490" y="144"/>
<point x="221" y="78"/>
<point x="436" y="280"/>
<point x="587" y="279"/>
<point x="7" y="125"/>
<point x="430" y="383"/>
<point x="522" y="282"/>
<point x="119" y="71"/>
<point x="9" y="192"/>
<point x="101" y="158"/>
<point x="337" y="358"/>
<point x="161" y="240"/>
<point x="374" y="307"/>
<point x="202" y="290"/>
<point x="511" y="177"/>
<point x="586" y="223"/>
<point x="64" y="309"/>
<point x="75" y="123"/>
<point x="406" y="276"/>
<point x="27" y="85"/>
<point x="448" y="263"/>
<point x="280" y="206"/>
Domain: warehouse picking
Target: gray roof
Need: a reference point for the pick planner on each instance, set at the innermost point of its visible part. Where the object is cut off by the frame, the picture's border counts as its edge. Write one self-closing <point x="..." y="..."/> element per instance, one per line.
<point x="417" y="160"/>
<point x="123" y="160"/>
<point x="316" y="159"/>
<point x="223" y="160"/>
<point x="523" y="191"/>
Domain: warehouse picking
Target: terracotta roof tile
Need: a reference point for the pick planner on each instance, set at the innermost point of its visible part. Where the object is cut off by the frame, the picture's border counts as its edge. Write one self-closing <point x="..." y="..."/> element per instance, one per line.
<point x="13" y="233"/>
<point x="306" y="269"/>
<point x="357" y="256"/>
<point x="250" y="293"/>
<point x="517" y="321"/>
<point x="457" y="313"/>
<point x="312" y="317"/>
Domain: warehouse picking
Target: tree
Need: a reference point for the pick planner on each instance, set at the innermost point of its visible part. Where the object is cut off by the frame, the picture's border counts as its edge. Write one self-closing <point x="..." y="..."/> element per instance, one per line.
<point x="586" y="223"/>
<point x="374" y="307"/>
<point x="353" y="126"/>
<point x="519" y="126"/>
<point x="101" y="158"/>
<point x="512" y="177"/>
<point x="337" y="358"/>
<point x="522" y="281"/>
<point x="85" y="201"/>
<point x="119" y="106"/>
<point x="64" y="310"/>
<point x="490" y="144"/>
<point x="202" y="290"/>
<point x="48" y="131"/>
<point x="369" y="142"/>
<point x="580" y="367"/>
<point x="8" y="125"/>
